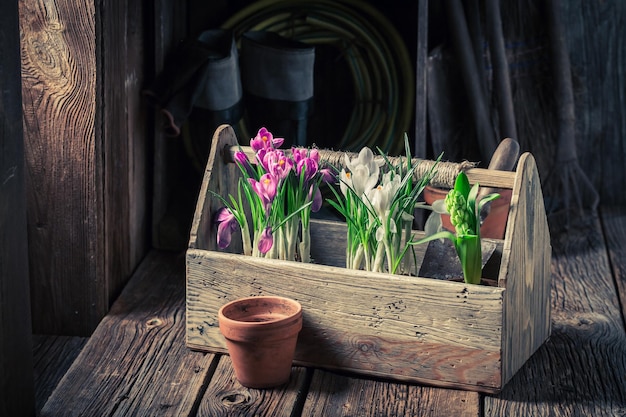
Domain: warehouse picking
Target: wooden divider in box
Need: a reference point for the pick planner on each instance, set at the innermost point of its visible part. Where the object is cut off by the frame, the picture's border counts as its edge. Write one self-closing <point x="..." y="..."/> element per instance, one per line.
<point x="415" y="329"/>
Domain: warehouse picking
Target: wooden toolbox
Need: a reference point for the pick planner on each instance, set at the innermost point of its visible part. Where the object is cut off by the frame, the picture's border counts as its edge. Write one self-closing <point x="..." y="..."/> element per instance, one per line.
<point x="413" y="329"/>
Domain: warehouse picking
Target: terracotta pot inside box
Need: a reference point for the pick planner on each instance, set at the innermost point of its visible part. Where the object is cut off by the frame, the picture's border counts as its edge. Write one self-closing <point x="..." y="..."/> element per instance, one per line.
<point x="494" y="225"/>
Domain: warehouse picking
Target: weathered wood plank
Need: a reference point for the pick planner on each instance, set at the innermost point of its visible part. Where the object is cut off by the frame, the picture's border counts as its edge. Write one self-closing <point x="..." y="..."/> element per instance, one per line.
<point x="17" y="397"/>
<point x="614" y="229"/>
<point x="525" y="271"/>
<point x="582" y="367"/>
<point x="420" y="147"/>
<point x="124" y="142"/>
<point x="170" y="27"/>
<point x="596" y="35"/>
<point x="135" y="363"/>
<point x="452" y="329"/>
<point x="332" y="394"/>
<point x="225" y="396"/>
<point x="63" y="163"/>
<point x="85" y="157"/>
<point x="52" y="357"/>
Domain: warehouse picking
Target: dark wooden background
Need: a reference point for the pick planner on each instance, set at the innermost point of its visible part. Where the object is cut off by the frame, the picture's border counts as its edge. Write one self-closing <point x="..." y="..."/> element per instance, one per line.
<point x="17" y="391"/>
<point x="596" y="35"/>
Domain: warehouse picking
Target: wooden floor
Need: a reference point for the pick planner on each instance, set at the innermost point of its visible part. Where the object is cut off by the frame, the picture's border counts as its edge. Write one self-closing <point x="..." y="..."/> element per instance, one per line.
<point x="136" y="362"/>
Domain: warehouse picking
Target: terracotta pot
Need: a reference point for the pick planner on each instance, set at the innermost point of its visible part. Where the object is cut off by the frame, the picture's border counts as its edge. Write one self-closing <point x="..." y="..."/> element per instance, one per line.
<point x="494" y="224"/>
<point x="261" y="335"/>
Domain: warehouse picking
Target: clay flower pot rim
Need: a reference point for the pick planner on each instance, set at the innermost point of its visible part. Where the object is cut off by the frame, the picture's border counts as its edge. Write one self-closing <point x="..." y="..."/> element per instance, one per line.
<point x="227" y="317"/>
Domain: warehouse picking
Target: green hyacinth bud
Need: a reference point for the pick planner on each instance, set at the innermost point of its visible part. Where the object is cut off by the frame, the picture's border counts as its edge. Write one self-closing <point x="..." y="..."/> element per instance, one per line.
<point x="460" y="218"/>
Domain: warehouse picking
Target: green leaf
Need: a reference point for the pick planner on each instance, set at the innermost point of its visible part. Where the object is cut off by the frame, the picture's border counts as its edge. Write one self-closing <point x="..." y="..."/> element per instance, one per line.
<point x="462" y="184"/>
<point x="472" y="209"/>
<point x="486" y="199"/>
<point x="444" y="234"/>
<point x="469" y="251"/>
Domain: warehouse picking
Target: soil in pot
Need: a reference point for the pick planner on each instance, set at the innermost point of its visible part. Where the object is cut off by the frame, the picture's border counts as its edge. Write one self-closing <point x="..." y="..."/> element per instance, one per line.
<point x="261" y="335"/>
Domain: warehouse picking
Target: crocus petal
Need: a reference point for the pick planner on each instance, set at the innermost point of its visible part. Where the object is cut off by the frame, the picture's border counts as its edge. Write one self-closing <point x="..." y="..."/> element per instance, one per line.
<point x="317" y="199"/>
<point x="266" y="240"/>
<point x="265" y="188"/>
<point x="345" y="182"/>
<point x="262" y="140"/>
<point x="269" y="185"/>
<point x="328" y="176"/>
<point x="315" y="155"/>
<point x="298" y="154"/>
<point x="241" y="157"/>
<point x="380" y="234"/>
<point x="278" y="142"/>
<point x="227" y="224"/>
<point x="307" y="167"/>
<point x="276" y="162"/>
<point x="223" y="215"/>
<point x="224" y="234"/>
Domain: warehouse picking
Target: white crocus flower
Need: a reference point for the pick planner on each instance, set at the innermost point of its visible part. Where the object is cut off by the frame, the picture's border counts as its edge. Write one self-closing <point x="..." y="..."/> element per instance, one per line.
<point x="365" y="157"/>
<point x="362" y="173"/>
<point x="380" y="199"/>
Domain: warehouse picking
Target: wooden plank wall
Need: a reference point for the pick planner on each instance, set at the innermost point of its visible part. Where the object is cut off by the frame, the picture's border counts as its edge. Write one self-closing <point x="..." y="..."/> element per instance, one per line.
<point x="596" y="36"/>
<point x="169" y="27"/>
<point x="17" y="395"/>
<point x="85" y="157"/>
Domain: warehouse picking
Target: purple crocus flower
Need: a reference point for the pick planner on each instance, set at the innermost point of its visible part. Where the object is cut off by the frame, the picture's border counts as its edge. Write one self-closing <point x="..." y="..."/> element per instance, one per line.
<point x="242" y="159"/>
<point x="307" y="167"/>
<point x="265" y="188"/>
<point x="298" y="154"/>
<point x="227" y="225"/>
<point x="264" y="139"/>
<point x="266" y="240"/>
<point x="275" y="162"/>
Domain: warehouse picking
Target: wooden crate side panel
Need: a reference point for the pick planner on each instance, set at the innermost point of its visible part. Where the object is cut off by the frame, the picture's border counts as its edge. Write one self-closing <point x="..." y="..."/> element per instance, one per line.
<point x="525" y="271"/>
<point x="220" y="177"/>
<point x="405" y="327"/>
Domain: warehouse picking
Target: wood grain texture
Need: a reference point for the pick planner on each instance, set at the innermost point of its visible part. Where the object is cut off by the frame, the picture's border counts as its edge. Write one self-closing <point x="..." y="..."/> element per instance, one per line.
<point x="614" y="231"/>
<point x="64" y="165"/>
<point x="221" y="177"/>
<point x="525" y="270"/>
<point x="338" y="395"/>
<point x="451" y="329"/>
<point x="120" y="60"/>
<point x="17" y="395"/>
<point x="420" y="148"/>
<point x="52" y="357"/>
<point x="582" y="367"/>
<point x="135" y="362"/>
<point x="226" y="397"/>
<point x="596" y="35"/>
<point x="85" y="157"/>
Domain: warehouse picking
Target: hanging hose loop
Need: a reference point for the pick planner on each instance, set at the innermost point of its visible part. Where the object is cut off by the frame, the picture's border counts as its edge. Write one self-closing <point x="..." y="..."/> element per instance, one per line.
<point x="382" y="72"/>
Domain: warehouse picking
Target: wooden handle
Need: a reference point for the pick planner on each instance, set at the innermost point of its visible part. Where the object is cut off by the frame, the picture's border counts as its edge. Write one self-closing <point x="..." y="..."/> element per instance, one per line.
<point x="504" y="159"/>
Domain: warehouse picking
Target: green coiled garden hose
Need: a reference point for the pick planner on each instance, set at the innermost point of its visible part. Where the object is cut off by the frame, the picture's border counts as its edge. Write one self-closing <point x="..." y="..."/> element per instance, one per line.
<point x="381" y="70"/>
